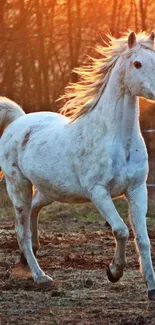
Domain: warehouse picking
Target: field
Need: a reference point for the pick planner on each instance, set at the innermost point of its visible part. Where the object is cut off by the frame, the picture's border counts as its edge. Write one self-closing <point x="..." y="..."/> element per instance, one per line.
<point x="75" y="250"/>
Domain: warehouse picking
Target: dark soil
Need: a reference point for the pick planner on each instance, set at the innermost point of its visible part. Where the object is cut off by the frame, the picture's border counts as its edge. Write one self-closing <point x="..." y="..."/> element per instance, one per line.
<point x="76" y="254"/>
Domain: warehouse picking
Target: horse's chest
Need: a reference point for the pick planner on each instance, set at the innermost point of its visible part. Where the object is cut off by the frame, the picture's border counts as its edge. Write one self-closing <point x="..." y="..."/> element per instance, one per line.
<point x="129" y="172"/>
<point x="119" y="180"/>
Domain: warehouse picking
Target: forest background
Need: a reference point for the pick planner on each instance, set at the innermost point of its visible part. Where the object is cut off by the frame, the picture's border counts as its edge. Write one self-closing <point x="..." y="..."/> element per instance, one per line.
<point x="41" y="41"/>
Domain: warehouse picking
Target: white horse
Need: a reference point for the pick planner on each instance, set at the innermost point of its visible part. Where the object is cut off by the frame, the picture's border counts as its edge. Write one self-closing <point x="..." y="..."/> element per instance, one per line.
<point x="96" y="154"/>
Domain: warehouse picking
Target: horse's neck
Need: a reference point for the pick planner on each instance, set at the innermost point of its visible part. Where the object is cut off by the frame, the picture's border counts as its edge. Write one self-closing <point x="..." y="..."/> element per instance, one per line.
<point x="120" y="112"/>
<point x="117" y="113"/>
<point x="130" y="120"/>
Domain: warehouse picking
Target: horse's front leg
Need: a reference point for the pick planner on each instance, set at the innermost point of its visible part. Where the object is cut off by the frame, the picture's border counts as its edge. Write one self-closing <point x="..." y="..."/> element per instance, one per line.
<point x="102" y="200"/>
<point x="138" y="207"/>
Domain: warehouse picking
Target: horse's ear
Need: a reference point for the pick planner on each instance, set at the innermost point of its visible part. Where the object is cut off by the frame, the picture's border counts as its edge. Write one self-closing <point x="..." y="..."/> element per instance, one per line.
<point x="131" y="40"/>
<point x="151" y="37"/>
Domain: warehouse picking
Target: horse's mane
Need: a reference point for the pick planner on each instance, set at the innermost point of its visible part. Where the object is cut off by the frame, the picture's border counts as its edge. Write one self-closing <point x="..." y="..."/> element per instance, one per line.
<point x="83" y="96"/>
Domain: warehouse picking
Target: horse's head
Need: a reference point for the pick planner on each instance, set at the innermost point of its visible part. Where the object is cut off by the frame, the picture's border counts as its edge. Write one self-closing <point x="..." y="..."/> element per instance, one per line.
<point x="140" y="66"/>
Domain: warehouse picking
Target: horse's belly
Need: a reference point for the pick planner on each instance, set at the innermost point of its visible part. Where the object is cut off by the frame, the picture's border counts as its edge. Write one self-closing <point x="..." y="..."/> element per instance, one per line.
<point x="56" y="193"/>
<point x="58" y="187"/>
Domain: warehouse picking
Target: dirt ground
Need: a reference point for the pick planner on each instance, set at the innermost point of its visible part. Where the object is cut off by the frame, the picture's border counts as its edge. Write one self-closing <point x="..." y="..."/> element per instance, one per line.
<point x="75" y="252"/>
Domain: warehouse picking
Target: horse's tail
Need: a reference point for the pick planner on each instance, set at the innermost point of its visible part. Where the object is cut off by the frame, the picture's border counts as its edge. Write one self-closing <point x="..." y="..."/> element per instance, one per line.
<point x="9" y="111"/>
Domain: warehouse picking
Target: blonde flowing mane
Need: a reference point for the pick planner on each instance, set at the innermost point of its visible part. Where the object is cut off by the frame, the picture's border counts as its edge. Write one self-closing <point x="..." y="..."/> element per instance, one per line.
<point x="83" y="96"/>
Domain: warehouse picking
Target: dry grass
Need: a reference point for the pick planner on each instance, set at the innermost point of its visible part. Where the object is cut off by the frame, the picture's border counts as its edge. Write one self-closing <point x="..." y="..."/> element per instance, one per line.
<point x="75" y="251"/>
<point x="4" y="198"/>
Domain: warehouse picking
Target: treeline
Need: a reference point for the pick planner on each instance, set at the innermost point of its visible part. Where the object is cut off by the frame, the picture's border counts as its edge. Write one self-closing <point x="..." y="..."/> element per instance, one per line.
<point x="41" y="41"/>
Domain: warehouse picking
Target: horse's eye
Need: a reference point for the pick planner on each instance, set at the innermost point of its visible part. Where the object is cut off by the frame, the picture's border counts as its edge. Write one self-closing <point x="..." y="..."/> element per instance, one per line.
<point x="137" y="64"/>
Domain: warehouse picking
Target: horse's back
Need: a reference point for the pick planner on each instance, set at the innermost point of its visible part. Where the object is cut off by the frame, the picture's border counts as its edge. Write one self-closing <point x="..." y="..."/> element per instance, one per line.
<point x="27" y="133"/>
<point x="33" y="119"/>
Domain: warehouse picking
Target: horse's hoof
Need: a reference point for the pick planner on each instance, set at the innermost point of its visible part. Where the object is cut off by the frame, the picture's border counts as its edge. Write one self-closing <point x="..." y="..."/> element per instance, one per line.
<point x="43" y="279"/>
<point x="111" y="277"/>
<point x="151" y="294"/>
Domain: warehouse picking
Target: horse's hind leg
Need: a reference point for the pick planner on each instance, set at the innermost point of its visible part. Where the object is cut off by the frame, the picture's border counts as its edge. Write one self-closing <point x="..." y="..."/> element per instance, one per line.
<point x="38" y="202"/>
<point x="20" y="192"/>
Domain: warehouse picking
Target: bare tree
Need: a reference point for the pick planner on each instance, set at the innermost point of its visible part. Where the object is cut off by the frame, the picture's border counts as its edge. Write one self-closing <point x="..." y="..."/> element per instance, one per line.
<point x="41" y="41"/>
